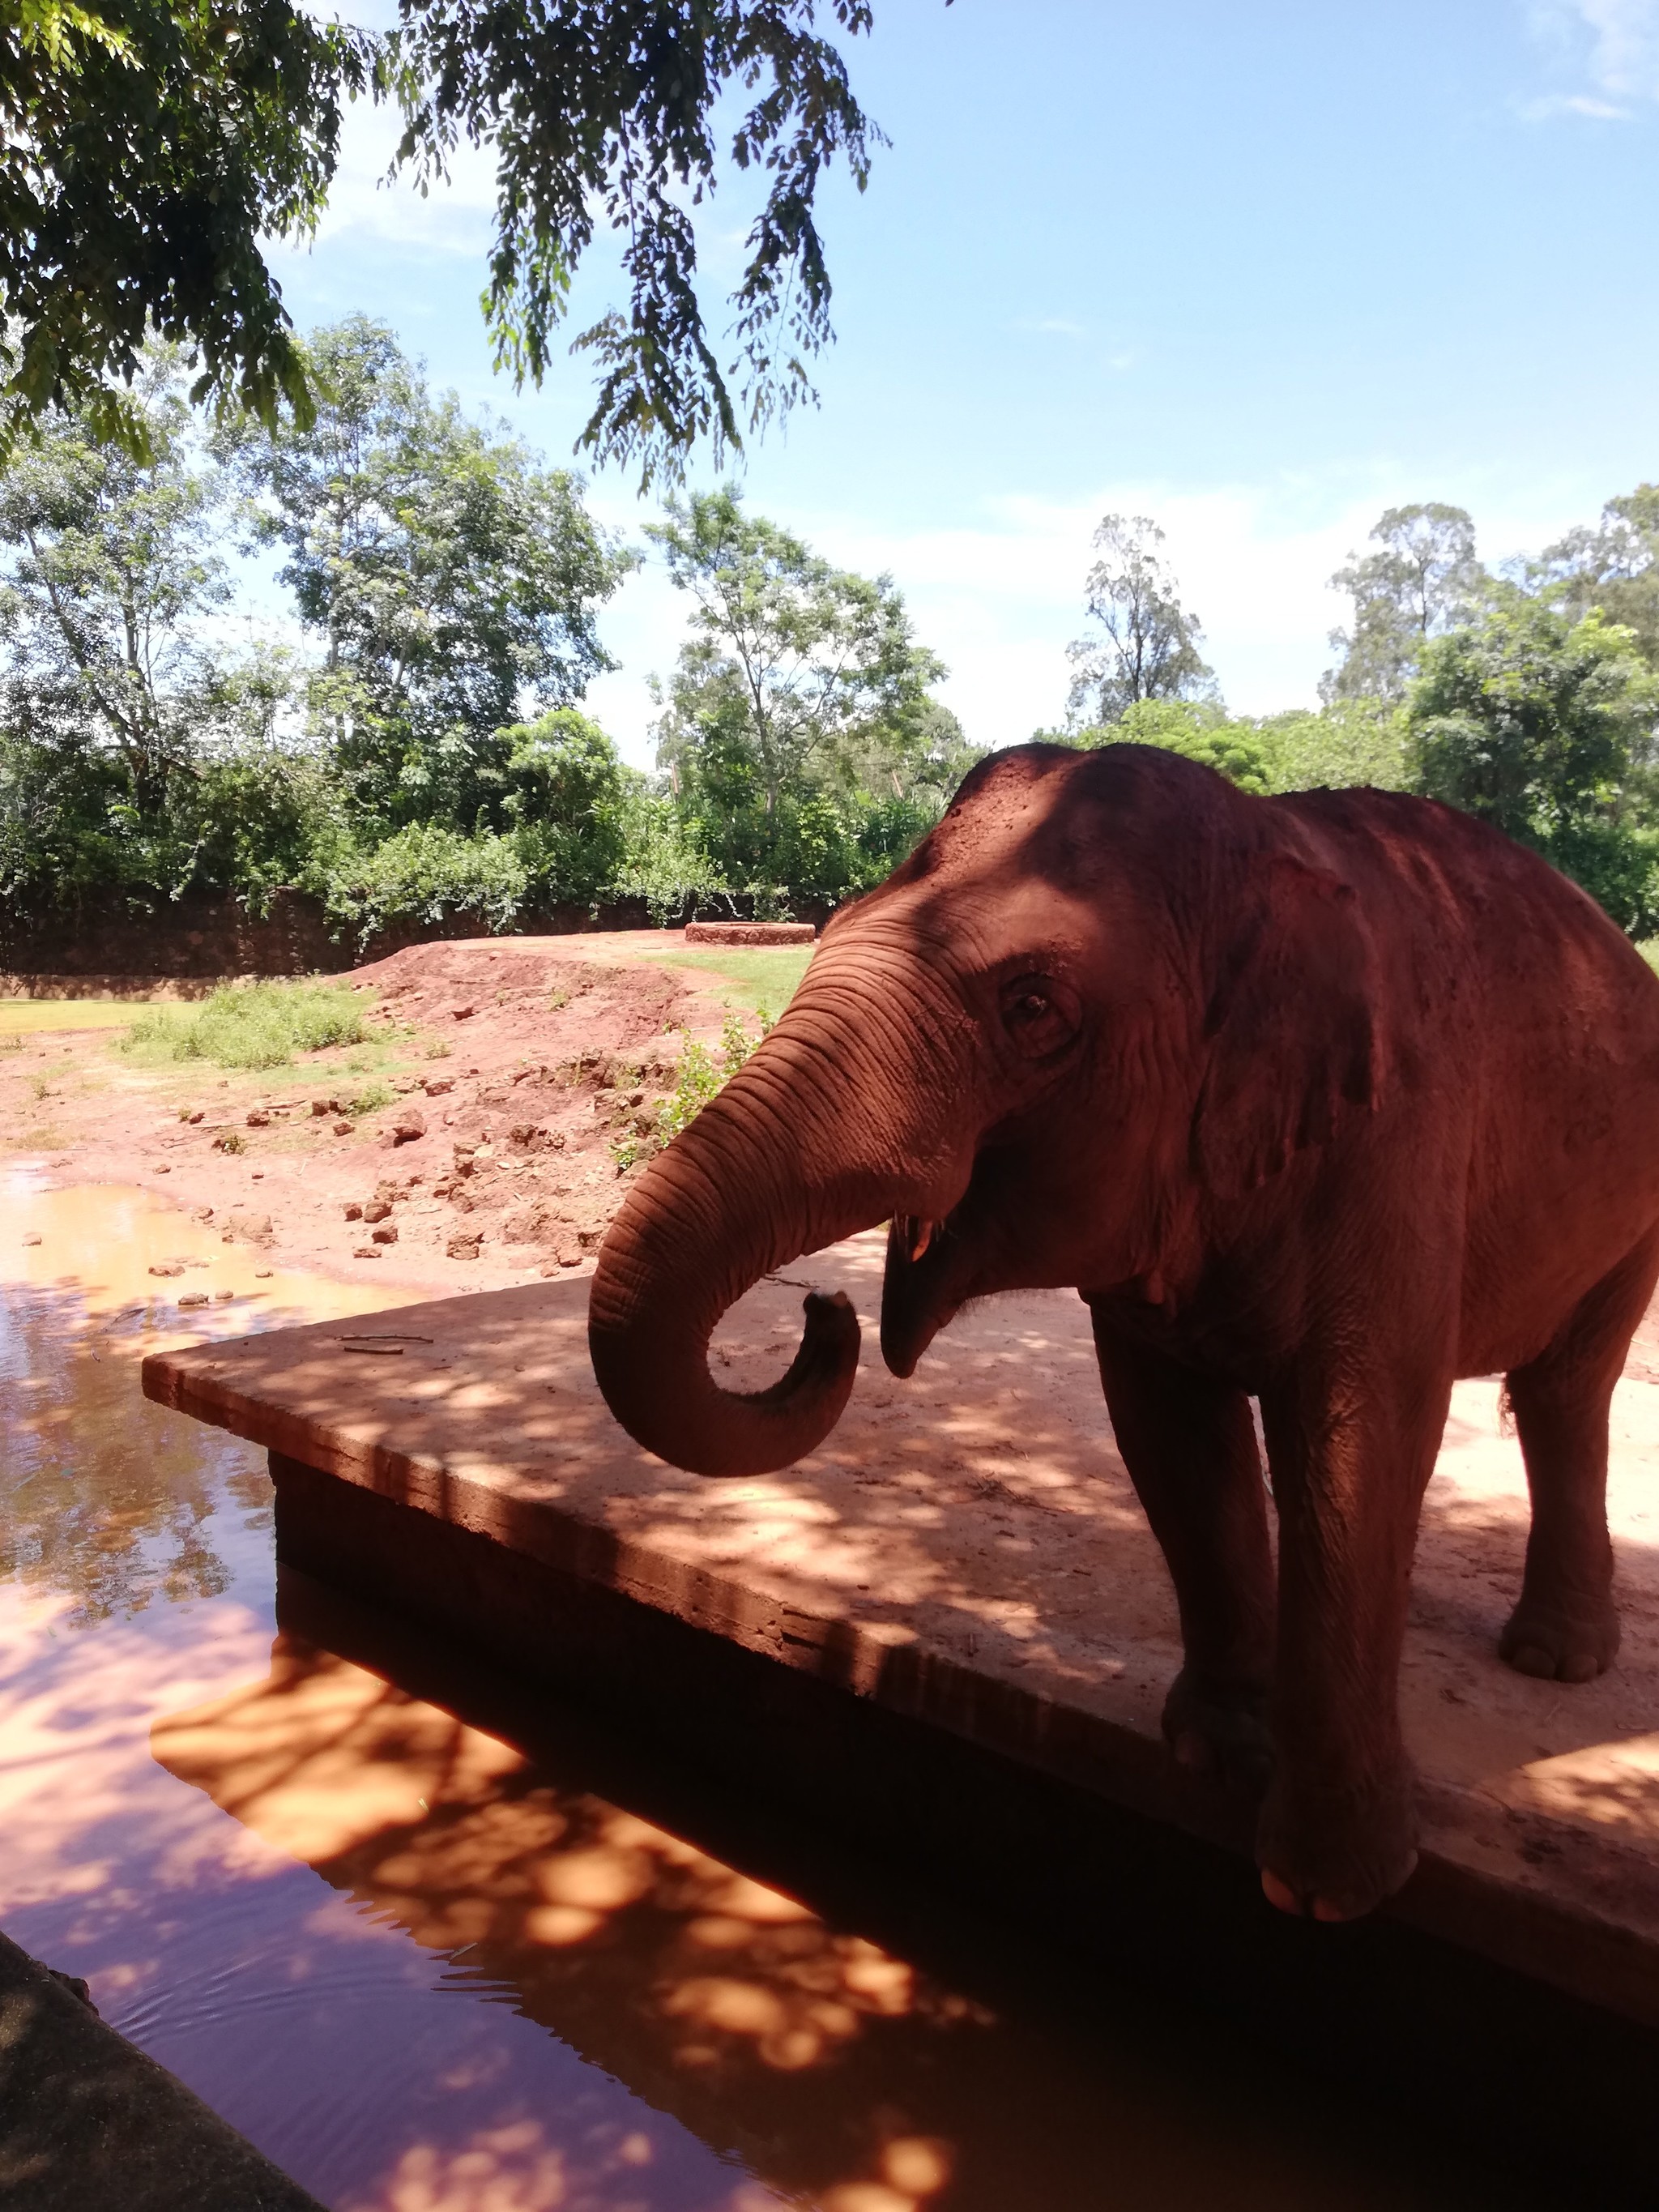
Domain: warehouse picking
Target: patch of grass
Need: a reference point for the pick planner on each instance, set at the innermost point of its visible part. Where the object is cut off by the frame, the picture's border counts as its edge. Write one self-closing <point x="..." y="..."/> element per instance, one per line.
<point x="11" y="1043"/>
<point x="230" y="1142"/>
<point x="23" y="1017"/>
<point x="1649" y="951"/>
<point x="765" y="974"/>
<point x="251" y="1025"/>
<point x="45" y="1139"/>
<point x="370" y="1099"/>
<point x="439" y="1051"/>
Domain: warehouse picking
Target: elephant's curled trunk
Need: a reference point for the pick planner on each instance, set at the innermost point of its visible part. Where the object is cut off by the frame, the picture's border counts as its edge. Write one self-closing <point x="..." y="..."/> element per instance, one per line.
<point x="746" y="1189"/>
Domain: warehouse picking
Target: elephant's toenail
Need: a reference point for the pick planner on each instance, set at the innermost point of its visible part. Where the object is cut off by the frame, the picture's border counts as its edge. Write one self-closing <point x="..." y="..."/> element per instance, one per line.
<point x="1280" y="1893"/>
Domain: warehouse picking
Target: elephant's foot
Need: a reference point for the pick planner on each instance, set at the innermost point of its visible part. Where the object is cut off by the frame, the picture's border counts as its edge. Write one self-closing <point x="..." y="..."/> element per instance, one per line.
<point x="1564" y="1641"/>
<point x="1336" y="1856"/>
<point x="1220" y="1730"/>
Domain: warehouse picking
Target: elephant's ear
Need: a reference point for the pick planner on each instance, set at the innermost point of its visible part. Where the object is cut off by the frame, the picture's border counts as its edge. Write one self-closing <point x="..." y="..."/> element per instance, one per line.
<point x="1292" y="1027"/>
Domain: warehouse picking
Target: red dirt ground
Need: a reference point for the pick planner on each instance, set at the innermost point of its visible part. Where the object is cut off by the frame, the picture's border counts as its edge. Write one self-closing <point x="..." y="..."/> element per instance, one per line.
<point x="529" y="1057"/>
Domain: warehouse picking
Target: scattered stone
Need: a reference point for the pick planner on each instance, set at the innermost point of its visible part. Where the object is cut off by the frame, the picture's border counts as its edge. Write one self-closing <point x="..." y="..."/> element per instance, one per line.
<point x="194" y="1118"/>
<point x="409" y="1125"/>
<point x="386" y="1233"/>
<point x="436" y="1085"/>
<point x="377" y="1210"/>
<point x="354" y="1212"/>
<point x="204" y="1214"/>
<point x="343" y="1129"/>
<point x="588" y="1238"/>
<point x="366" y="1252"/>
<point x="463" y="1014"/>
<point x="257" y="1118"/>
<point x="224" y="1297"/>
<point x="194" y="1299"/>
<point x="163" y="1168"/>
<point x="320" y="1107"/>
<point x="262" y="1275"/>
<point x="250" y="1228"/>
<point x="463" y="1247"/>
<point x="30" y="1240"/>
<point x="168" y="1267"/>
<point x="570" y="1257"/>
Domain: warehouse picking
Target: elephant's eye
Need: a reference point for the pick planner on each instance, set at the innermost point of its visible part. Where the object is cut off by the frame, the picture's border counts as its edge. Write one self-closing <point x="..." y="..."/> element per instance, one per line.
<point x="1036" y="1020"/>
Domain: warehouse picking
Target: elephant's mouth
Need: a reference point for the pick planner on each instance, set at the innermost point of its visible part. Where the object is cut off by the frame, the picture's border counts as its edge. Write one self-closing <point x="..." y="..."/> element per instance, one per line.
<point x="919" y="1295"/>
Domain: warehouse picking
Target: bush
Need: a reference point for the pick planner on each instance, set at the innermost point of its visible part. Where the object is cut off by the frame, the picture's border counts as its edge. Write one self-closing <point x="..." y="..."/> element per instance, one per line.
<point x="251" y="1025"/>
<point x="426" y="874"/>
<point x="698" y="1077"/>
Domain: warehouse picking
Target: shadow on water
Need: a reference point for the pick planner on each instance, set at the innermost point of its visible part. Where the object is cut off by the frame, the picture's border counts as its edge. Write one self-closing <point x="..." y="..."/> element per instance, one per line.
<point x="441" y="1943"/>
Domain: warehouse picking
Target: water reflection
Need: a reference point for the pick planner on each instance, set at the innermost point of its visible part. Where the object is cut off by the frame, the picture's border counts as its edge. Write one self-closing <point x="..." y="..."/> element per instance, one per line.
<point x="431" y="1961"/>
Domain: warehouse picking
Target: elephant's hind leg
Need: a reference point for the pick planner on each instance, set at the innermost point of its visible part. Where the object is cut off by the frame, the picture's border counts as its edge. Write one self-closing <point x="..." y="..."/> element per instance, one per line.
<point x="1189" y="1445"/>
<point x="1565" y="1628"/>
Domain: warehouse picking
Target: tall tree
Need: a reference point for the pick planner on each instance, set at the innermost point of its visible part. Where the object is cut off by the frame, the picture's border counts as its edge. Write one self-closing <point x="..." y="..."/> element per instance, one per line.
<point x="810" y="672"/>
<point x="1613" y="566"/>
<point x="1147" y="643"/>
<point x="453" y="580"/>
<point x="1546" y="727"/>
<point x="112" y="578"/>
<point x="1423" y="580"/>
<point x="151" y="146"/>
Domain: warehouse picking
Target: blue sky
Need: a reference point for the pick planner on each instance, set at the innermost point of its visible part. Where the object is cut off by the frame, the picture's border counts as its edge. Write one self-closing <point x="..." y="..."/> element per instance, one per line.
<point x="1257" y="272"/>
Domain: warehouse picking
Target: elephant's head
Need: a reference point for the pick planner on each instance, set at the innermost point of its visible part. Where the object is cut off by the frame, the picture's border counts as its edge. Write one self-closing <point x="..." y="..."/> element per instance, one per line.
<point x="1060" y="1019"/>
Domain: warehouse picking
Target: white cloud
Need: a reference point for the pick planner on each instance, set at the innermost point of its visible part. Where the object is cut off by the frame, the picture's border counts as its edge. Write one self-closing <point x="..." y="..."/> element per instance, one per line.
<point x="1614" y="42"/>
<point x="453" y="218"/>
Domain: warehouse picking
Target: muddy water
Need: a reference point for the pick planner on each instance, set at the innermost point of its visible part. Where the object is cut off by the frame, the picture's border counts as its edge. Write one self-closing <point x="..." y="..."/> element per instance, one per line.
<point x="429" y="1970"/>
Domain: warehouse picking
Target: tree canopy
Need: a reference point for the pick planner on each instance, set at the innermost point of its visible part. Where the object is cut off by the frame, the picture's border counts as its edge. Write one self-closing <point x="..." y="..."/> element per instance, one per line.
<point x="151" y="144"/>
<point x="1147" y="644"/>
<point x="1423" y="578"/>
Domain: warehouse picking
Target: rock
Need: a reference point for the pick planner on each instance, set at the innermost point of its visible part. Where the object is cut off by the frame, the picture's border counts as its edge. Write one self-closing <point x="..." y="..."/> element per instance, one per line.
<point x="262" y="1275"/>
<point x="194" y="1299"/>
<point x="320" y="1107"/>
<point x="463" y="1013"/>
<point x="377" y="1210"/>
<point x="224" y="1297"/>
<point x="343" y="1129"/>
<point x="163" y="1168"/>
<point x="168" y="1267"/>
<point x="461" y="1246"/>
<point x="30" y="1240"/>
<point x="250" y="1228"/>
<point x="435" y="1086"/>
<point x="354" y="1212"/>
<point x="193" y="1118"/>
<point x="587" y="1239"/>
<point x="204" y="1214"/>
<point x="257" y="1118"/>
<point x="410" y="1124"/>
<point x="386" y="1233"/>
<point x="366" y="1252"/>
<point x="570" y="1257"/>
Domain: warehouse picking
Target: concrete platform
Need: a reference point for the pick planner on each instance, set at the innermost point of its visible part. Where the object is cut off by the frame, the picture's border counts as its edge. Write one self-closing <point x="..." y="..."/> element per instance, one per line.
<point x="959" y="1592"/>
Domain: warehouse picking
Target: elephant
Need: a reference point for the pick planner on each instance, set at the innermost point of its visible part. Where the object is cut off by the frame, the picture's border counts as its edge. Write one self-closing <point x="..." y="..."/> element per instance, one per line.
<point x="1322" y="1100"/>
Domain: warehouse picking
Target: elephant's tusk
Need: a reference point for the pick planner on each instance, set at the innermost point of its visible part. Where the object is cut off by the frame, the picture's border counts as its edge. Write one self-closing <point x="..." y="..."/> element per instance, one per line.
<point x="921" y="1235"/>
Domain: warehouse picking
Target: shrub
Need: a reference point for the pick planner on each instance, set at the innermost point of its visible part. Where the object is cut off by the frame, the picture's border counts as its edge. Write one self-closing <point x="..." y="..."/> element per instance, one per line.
<point x="251" y="1025"/>
<point x="698" y="1077"/>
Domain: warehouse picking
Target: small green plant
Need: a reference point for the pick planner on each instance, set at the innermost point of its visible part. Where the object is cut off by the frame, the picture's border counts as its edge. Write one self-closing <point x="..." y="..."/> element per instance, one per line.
<point x="558" y="999"/>
<point x="230" y="1142"/>
<point x="699" y="1075"/>
<point x="370" y="1099"/>
<point x="11" y="1043"/>
<point x="40" y="1086"/>
<point x="251" y="1025"/>
<point x="439" y="1051"/>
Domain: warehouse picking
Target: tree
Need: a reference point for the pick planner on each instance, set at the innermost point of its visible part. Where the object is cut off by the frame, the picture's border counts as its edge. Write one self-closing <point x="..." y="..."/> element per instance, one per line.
<point x="451" y="578"/>
<point x="1150" y="649"/>
<point x="151" y="144"/>
<point x="1614" y="567"/>
<point x="1545" y="728"/>
<point x="798" y="676"/>
<point x="1423" y="581"/>
<point x="111" y="576"/>
<point x="567" y="799"/>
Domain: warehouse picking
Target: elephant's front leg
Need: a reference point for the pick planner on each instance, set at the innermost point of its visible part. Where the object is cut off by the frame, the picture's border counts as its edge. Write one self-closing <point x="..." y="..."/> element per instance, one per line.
<point x="1351" y="1455"/>
<point x="1189" y="1445"/>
